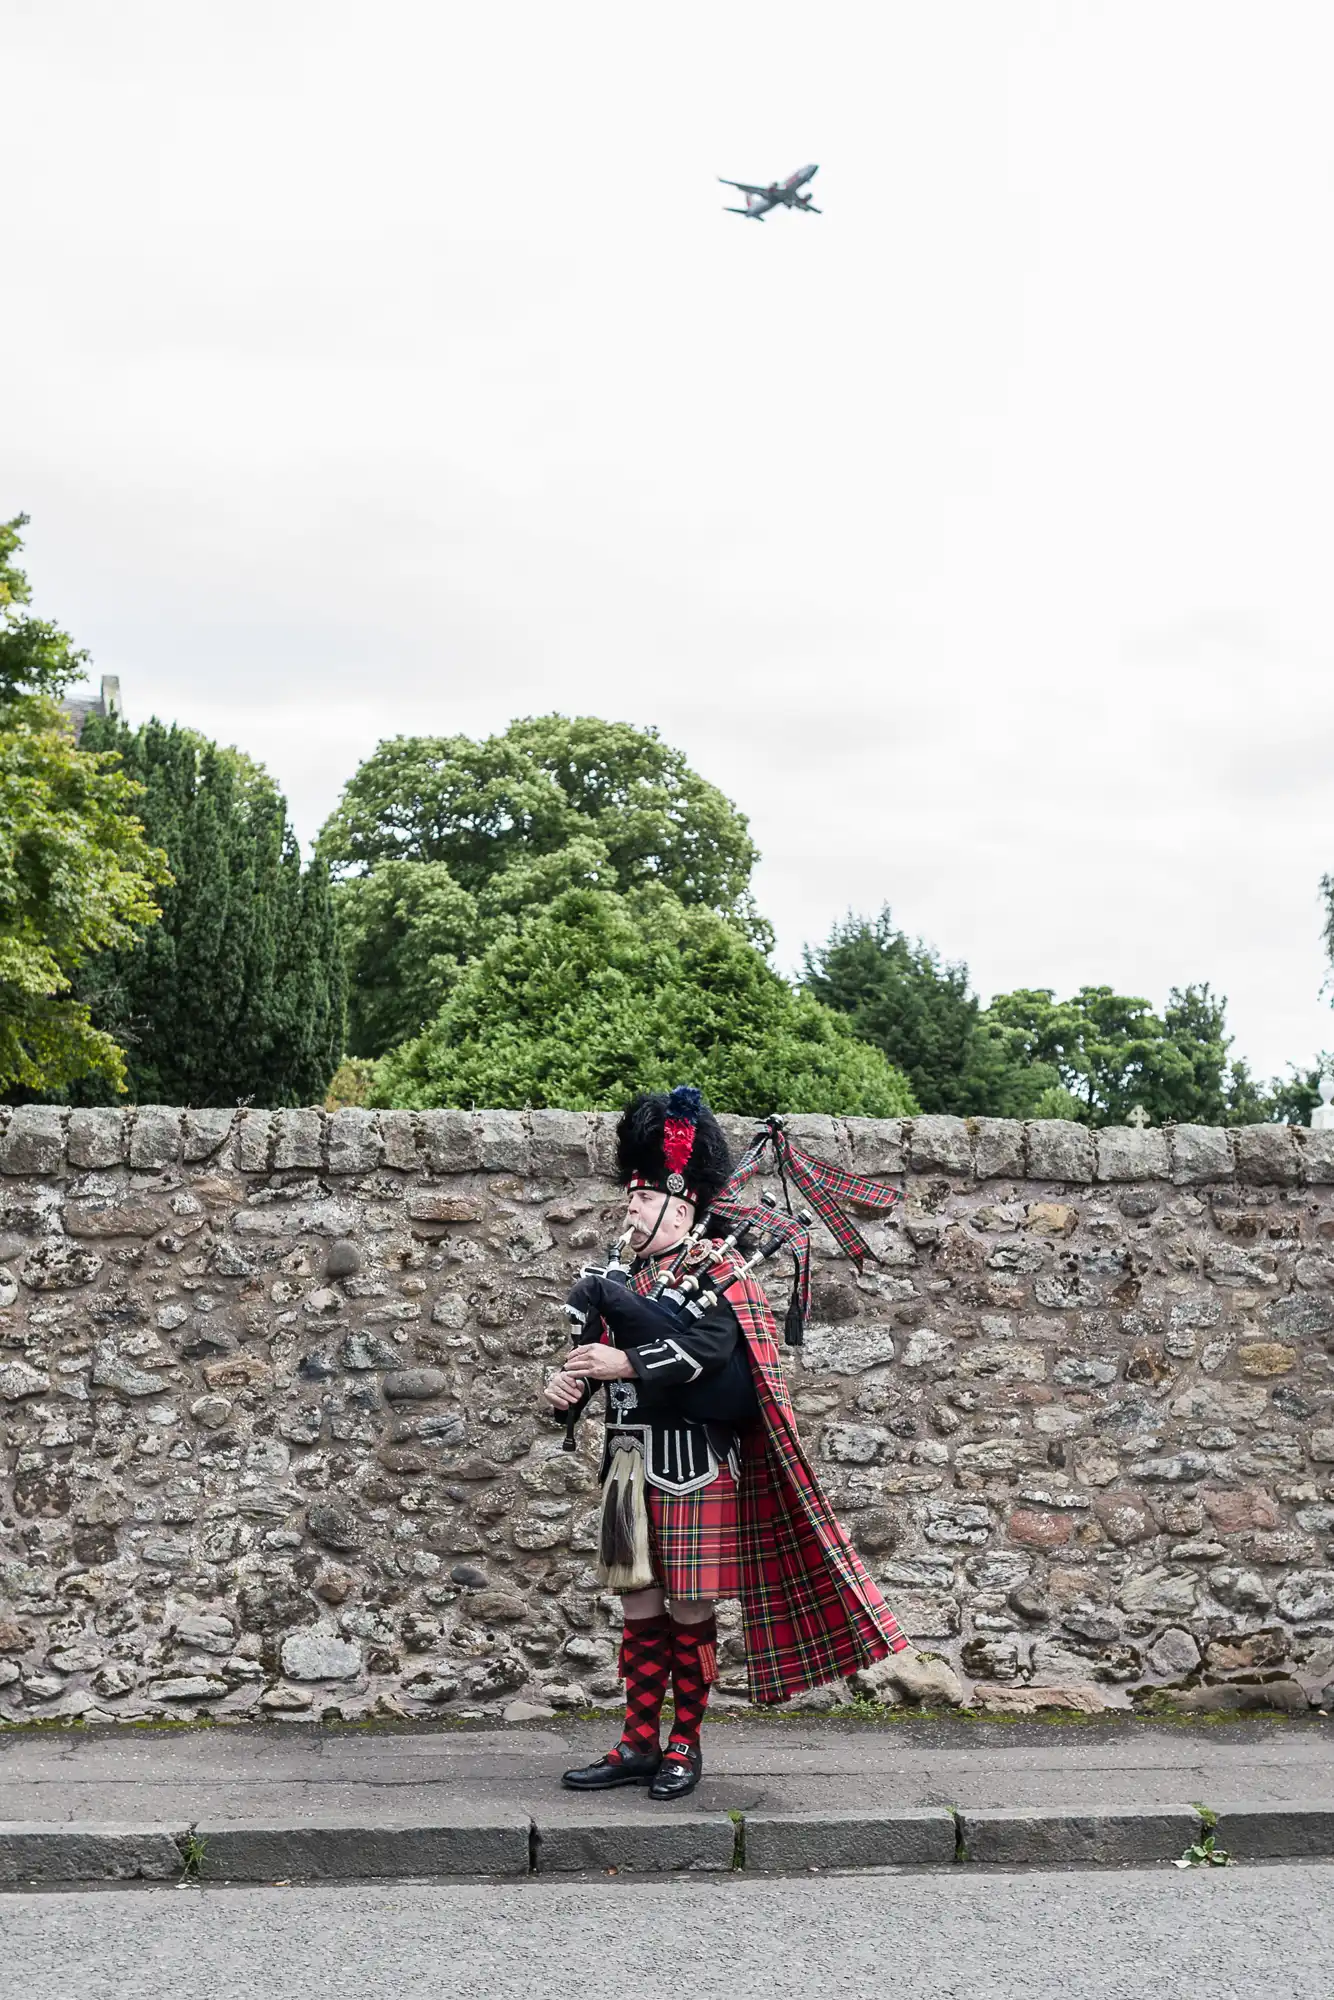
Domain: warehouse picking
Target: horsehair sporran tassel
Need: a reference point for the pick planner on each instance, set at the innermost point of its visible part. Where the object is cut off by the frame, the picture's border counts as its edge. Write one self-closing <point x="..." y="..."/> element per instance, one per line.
<point x="623" y="1551"/>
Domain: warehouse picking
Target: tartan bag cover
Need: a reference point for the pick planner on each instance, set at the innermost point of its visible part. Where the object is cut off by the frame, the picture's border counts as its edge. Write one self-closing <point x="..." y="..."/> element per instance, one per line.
<point x="809" y="1610"/>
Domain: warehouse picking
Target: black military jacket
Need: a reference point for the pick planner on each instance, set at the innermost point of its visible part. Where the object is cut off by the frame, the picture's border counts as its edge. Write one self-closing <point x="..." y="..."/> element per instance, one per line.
<point x="692" y="1392"/>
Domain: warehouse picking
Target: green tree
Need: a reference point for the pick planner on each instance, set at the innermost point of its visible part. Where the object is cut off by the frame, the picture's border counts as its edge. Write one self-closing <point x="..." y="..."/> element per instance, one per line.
<point x="1111" y="1053"/>
<point x="407" y="929"/>
<point x="76" y="873"/>
<point x="546" y="782"/>
<point x="603" y="994"/>
<point x="920" y="1012"/>
<point x="237" y="995"/>
<point x="1290" y="1099"/>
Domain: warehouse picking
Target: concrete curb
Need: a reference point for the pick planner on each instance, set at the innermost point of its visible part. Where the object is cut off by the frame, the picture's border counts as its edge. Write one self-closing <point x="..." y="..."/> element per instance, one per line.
<point x="512" y="1845"/>
<point x="660" y="1843"/>
<point x="344" y="1850"/>
<point x="1034" y="1838"/>
<point x="1275" y="1833"/>
<point x="32" y="1852"/>
<point x="785" y="1843"/>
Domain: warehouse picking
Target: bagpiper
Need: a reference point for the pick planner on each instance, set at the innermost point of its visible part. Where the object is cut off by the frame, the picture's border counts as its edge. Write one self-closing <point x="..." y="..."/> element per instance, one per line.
<point x="707" y="1492"/>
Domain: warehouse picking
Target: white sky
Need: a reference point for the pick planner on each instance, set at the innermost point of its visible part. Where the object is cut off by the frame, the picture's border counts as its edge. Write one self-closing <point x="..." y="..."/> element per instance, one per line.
<point x="393" y="368"/>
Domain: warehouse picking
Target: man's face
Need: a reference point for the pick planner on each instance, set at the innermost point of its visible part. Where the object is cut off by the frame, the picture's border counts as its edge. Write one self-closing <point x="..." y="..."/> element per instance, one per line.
<point x="658" y="1221"/>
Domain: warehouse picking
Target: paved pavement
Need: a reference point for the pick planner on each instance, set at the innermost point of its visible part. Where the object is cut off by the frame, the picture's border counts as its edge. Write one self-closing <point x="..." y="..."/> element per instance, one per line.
<point x="1234" y="1934"/>
<point x="290" y="1773"/>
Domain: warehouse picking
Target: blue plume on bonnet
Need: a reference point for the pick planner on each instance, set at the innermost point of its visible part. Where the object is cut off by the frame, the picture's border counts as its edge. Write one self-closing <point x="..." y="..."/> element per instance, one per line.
<point x="685" y="1102"/>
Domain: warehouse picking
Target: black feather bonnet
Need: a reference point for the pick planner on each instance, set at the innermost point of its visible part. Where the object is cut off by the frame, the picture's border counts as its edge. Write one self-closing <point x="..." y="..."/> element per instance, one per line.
<point x="674" y="1144"/>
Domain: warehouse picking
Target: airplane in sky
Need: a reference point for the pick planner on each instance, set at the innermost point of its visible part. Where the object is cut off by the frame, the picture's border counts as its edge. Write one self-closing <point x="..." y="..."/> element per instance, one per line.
<point x="778" y="194"/>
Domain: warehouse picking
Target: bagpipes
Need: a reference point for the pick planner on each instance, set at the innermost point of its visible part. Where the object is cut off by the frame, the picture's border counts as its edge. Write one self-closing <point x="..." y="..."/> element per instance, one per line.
<point x="824" y="1185"/>
<point x="680" y="1294"/>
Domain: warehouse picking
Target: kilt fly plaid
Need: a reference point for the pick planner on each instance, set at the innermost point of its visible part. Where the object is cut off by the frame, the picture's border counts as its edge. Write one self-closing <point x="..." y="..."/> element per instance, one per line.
<point x="809" y="1610"/>
<point x="693" y="1539"/>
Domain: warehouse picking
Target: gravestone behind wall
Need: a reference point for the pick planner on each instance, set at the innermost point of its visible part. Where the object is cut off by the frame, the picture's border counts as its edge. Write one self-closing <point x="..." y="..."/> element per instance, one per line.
<point x="271" y="1440"/>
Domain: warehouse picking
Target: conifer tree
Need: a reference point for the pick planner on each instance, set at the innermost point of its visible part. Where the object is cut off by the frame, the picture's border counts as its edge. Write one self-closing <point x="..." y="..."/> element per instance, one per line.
<point x="237" y="995"/>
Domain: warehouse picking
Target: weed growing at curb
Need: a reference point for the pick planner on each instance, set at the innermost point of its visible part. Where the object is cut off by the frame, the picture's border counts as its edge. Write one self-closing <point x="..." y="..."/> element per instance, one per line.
<point x="738" y="1819"/>
<point x="193" y="1847"/>
<point x="1204" y="1852"/>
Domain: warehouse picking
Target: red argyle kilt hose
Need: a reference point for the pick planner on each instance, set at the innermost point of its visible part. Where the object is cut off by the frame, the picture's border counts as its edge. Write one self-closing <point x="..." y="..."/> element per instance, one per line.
<point x="693" y="1539"/>
<point x="810" y="1612"/>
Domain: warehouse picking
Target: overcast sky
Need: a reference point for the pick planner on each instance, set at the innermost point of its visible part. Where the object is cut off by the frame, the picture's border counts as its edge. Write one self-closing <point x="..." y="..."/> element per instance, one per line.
<point x="394" y="368"/>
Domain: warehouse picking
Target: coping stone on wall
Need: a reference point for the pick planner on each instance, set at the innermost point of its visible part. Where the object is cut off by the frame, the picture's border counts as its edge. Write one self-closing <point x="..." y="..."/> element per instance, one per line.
<point x="1059" y="1150"/>
<point x="559" y="1141"/>
<point x="1127" y="1154"/>
<point x="402" y="1141"/>
<point x="355" y="1144"/>
<point x="602" y="1143"/>
<point x="1200" y="1153"/>
<point x="940" y="1146"/>
<point x="737" y="1131"/>
<point x="504" y="1142"/>
<point x="1267" y="1154"/>
<point x="876" y="1145"/>
<point x="814" y="1133"/>
<point x="34" y="1142"/>
<point x="453" y="1140"/>
<point x="206" y="1132"/>
<point x="298" y="1139"/>
<point x="1317" y="1155"/>
<point x="254" y="1133"/>
<point x="998" y="1148"/>
<point x="155" y="1137"/>
<point x="97" y="1137"/>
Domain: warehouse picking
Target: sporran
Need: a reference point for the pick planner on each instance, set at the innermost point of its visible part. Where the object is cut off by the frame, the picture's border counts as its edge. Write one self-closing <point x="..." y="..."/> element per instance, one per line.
<point x="623" y="1562"/>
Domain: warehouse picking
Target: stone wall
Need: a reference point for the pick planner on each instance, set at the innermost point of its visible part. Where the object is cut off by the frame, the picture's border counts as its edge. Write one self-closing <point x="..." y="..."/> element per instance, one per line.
<point x="271" y="1443"/>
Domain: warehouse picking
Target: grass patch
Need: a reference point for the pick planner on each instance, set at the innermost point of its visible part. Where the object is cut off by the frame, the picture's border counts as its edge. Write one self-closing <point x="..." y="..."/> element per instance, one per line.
<point x="193" y="1847"/>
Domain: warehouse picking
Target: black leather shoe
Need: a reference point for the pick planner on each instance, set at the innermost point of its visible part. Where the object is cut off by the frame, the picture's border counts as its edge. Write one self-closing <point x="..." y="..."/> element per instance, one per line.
<point x="625" y="1767"/>
<point x="680" y="1773"/>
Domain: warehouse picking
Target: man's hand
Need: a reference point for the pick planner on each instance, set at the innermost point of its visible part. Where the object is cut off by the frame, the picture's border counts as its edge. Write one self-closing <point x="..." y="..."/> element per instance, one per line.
<point x="600" y="1363"/>
<point x="562" y="1390"/>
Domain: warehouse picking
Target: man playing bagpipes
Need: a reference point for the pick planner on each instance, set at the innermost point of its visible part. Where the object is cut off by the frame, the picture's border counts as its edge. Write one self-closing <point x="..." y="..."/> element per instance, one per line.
<point x="706" y="1490"/>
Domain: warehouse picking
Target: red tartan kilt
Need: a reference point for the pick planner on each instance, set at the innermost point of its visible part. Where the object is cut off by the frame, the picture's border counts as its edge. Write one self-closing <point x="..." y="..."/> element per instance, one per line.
<point x="693" y="1539"/>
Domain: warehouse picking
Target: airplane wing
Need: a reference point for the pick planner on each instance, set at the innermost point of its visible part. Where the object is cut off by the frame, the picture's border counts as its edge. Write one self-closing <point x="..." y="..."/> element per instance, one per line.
<point x="755" y="214"/>
<point x="744" y="186"/>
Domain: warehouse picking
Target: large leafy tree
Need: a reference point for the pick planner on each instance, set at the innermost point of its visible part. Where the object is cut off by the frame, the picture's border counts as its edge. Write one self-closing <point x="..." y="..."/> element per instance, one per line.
<point x="602" y="994"/>
<point x="237" y="995"/>
<point x="922" y="1014"/>
<point x="1112" y="1053"/>
<point x="76" y="873"/>
<point x="447" y="844"/>
<point x="479" y="806"/>
<point x="407" y="929"/>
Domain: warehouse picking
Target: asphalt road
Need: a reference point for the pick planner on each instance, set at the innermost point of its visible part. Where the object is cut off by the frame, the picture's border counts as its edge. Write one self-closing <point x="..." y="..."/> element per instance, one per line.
<point x="1233" y="1934"/>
